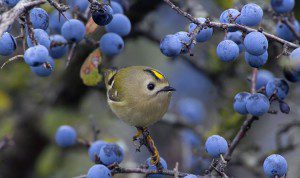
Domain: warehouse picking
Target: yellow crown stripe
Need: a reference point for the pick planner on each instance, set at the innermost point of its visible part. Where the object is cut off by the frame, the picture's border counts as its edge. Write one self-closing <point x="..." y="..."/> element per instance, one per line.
<point x="157" y="74"/>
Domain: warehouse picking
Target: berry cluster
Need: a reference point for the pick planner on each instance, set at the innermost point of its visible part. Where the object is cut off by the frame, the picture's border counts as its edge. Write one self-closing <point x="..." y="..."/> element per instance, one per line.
<point x="254" y="44"/>
<point x="48" y="36"/>
<point x="102" y="153"/>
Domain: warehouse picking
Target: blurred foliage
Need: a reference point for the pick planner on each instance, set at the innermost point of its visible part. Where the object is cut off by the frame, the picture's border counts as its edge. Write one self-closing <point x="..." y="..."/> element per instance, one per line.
<point x="12" y="77"/>
<point x="5" y="102"/>
<point x="225" y="4"/>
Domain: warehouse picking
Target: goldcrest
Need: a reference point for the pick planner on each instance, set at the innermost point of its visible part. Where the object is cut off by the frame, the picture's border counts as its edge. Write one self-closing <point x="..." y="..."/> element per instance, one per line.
<point x="138" y="95"/>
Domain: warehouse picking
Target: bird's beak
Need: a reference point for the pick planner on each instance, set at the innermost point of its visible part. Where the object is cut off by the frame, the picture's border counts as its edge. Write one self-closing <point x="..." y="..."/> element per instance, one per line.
<point x="167" y="88"/>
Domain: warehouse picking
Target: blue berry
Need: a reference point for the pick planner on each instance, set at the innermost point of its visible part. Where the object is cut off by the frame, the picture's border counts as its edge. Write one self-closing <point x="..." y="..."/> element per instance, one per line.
<point x="190" y="176"/>
<point x="111" y="153"/>
<point x="98" y="171"/>
<point x="120" y="25"/>
<point x="79" y="5"/>
<point x="291" y="75"/>
<point x="103" y="16"/>
<point x="41" y="70"/>
<point x="236" y="37"/>
<point x="8" y="44"/>
<point x="95" y="148"/>
<point x="239" y="103"/>
<point x="216" y="145"/>
<point x="263" y="77"/>
<point x="230" y="16"/>
<point x="256" y="43"/>
<point x="73" y="30"/>
<point x="116" y="7"/>
<point x="192" y="110"/>
<point x="36" y="55"/>
<point x="60" y="50"/>
<point x="185" y="39"/>
<point x="205" y="34"/>
<point x="111" y="44"/>
<point x="279" y="86"/>
<point x="228" y="50"/>
<point x="257" y="104"/>
<point x="171" y="46"/>
<point x="56" y="21"/>
<point x="39" y="18"/>
<point x="41" y="37"/>
<point x="275" y="165"/>
<point x="11" y="3"/>
<point x="256" y="61"/>
<point x="153" y="167"/>
<point x="251" y="15"/>
<point x="295" y="59"/>
<point x="284" y="32"/>
<point x="282" y="6"/>
<point x="65" y="136"/>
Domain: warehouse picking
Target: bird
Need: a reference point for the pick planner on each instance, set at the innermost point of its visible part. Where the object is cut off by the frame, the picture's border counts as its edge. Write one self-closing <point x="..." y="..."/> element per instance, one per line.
<point x="140" y="96"/>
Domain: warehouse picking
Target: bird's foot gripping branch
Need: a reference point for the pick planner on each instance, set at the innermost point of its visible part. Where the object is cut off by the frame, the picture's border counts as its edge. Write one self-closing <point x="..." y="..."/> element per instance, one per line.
<point x="143" y="137"/>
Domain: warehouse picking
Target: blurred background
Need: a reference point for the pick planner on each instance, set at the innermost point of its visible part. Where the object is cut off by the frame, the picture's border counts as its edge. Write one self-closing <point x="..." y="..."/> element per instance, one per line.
<point x="32" y="108"/>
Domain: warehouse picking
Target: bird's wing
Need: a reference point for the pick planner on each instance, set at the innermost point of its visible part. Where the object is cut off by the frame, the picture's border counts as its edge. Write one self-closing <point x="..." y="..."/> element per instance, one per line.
<point x="109" y="75"/>
<point x="113" y="95"/>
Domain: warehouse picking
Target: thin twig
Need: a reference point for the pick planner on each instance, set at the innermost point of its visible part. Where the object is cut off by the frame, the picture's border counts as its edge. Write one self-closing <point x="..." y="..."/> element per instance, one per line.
<point x="61" y="8"/>
<point x="12" y="59"/>
<point x="71" y="53"/>
<point x="225" y="26"/>
<point x="291" y="27"/>
<point x="9" y="17"/>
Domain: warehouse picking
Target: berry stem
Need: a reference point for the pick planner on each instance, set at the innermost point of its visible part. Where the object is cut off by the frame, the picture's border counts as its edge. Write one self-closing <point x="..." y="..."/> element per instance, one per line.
<point x="30" y="29"/>
<point x="253" y="80"/>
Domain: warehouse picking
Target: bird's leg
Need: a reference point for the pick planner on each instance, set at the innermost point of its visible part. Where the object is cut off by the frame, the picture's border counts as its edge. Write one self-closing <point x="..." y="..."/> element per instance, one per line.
<point x="138" y="134"/>
<point x="149" y="143"/>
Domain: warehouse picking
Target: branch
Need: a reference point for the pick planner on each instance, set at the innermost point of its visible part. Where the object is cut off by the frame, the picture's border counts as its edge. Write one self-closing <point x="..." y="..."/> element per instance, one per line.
<point x="120" y="170"/>
<point x="9" y="17"/>
<point x="239" y="136"/>
<point x="247" y="123"/>
<point x="225" y="26"/>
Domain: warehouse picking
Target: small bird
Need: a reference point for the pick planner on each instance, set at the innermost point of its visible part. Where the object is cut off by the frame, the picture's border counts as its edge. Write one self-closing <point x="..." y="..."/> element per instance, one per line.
<point x="139" y="96"/>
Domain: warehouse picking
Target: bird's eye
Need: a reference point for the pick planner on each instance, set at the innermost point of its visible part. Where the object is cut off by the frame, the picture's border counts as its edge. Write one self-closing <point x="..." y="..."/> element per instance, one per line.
<point x="150" y="86"/>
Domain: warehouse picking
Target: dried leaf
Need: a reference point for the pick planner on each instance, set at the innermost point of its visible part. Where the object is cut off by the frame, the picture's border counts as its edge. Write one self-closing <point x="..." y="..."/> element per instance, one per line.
<point x="89" y="72"/>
